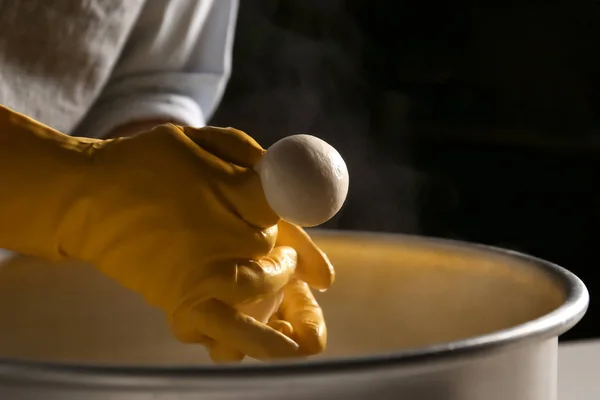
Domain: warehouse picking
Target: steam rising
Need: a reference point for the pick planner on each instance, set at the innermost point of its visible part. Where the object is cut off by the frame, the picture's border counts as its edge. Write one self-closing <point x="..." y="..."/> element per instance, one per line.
<point x="292" y="75"/>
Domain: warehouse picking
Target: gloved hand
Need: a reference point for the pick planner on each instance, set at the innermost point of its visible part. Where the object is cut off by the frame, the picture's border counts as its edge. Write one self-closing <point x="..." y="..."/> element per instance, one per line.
<point x="175" y="214"/>
<point x="299" y="317"/>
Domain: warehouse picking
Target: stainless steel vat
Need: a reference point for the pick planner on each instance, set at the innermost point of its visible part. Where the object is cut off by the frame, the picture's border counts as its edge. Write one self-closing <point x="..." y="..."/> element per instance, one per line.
<point x="408" y="317"/>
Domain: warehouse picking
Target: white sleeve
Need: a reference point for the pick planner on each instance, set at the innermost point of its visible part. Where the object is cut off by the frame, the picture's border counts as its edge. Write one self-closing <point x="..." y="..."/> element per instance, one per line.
<point x="174" y="66"/>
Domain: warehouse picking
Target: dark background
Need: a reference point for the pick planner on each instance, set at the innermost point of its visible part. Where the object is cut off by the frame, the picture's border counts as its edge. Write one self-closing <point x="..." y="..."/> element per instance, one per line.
<point x="471" y="122"/>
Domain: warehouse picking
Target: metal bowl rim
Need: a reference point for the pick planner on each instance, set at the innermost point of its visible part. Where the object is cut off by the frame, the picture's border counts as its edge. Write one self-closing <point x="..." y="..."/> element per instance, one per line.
<point x="550" y="325"/>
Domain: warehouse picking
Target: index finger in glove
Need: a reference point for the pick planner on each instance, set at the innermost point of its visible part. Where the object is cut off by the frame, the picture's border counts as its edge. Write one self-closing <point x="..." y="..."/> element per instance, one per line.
<point x="228" y="144"/>
<point x="301" y="310"/>
<point x="313" y="266"/>
<point x="244" y="190"/>
<point x="235" y="330"/>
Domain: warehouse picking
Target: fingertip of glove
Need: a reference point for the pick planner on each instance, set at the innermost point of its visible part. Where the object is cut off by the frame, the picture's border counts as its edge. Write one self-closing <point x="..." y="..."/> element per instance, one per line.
<point x="313" y="341"/>
<point x="329" y="275"/>
<point x="321" y="278"/>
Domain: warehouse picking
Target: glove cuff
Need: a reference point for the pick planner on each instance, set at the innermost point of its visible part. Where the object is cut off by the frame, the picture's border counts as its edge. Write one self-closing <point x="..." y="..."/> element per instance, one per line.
<point x="41" y="171"/>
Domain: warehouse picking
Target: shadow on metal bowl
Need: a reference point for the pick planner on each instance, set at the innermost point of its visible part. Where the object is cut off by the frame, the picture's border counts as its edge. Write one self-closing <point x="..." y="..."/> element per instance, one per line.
<point x="408" y="317"/>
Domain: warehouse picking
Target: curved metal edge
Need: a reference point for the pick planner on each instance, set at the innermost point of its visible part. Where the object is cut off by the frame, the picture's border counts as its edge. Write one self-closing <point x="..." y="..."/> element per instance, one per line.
<point x="549" y="325"/>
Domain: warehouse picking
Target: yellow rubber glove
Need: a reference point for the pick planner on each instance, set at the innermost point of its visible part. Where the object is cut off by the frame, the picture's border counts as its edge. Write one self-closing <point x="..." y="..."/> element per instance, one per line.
<point x="175" y="214"/>
<point x="299" y="316"/>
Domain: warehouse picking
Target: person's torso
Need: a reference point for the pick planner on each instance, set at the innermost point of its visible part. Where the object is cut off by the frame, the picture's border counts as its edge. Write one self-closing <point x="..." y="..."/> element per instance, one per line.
<point x="55" y="56"/>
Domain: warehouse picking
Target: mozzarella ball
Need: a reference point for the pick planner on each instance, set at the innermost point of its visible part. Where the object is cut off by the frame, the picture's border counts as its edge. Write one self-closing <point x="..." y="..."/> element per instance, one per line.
<point x="305" y="179"/>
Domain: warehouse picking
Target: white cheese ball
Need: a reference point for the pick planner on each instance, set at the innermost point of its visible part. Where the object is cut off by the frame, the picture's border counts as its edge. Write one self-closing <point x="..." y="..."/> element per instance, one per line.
<point x="305" y="179"/>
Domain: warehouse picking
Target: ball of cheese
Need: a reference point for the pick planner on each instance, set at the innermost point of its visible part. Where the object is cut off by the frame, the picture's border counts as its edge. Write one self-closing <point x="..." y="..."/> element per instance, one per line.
<point x="305" y="179"/>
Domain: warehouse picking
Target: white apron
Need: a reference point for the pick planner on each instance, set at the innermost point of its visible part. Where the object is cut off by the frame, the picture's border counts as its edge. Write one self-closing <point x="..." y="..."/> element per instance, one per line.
<point x="55" y="56"/>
